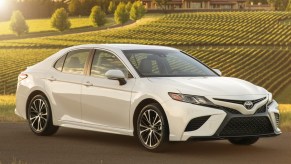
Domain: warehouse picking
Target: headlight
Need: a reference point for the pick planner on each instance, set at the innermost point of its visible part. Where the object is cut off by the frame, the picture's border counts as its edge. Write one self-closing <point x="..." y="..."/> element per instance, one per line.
<point x="270" y="98"/>
<point x="198" y="100"/>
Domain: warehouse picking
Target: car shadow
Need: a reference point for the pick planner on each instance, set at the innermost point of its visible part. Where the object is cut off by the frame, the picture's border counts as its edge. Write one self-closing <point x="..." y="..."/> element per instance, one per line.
<point x="130" y="144"/>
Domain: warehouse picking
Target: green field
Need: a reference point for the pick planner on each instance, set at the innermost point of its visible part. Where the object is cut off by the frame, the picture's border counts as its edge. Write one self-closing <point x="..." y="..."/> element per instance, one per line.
<point x="255" y="46"/>
<point x="285" y="120"/>
<point x="7" y="106"/>
<point x="44" y="25"/>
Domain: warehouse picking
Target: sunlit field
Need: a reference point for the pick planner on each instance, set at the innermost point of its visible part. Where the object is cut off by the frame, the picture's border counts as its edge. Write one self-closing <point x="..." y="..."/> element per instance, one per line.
<point x="285" y="110"/>
<point x="234" y="42"/>
<point x="44" y="25"/>
<point x="7" y="106"/>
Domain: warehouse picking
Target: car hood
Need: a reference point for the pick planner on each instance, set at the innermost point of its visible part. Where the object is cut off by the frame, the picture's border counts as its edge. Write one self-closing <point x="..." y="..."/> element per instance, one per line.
<point x="208" y="86"/>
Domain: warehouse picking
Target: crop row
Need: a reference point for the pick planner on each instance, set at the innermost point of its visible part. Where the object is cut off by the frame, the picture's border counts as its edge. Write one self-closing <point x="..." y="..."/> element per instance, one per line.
<point x="193" y="29"/>
<point x="254" y="46"/>
<point x="269" y="68"/>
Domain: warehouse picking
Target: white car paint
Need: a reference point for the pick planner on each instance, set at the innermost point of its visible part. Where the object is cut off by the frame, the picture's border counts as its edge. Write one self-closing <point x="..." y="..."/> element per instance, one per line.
<point x="100" y="104"/>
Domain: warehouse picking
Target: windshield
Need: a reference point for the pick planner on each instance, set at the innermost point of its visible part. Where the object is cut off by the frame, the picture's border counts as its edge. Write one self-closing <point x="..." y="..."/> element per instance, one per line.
<point x="166" y="63"/>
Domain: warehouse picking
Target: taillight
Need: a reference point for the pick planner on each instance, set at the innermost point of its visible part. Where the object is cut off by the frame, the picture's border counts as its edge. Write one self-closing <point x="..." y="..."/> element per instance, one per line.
<point x="22" y="76"/>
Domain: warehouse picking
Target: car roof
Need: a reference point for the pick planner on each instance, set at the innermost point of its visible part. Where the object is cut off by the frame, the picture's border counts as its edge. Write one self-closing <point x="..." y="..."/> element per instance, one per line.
<point x="124" y="46"/>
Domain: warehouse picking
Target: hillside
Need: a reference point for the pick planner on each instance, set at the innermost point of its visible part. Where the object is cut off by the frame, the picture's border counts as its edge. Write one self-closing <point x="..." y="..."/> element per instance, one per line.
<point x="255" y="46"/>
<point x="42" y="27"/>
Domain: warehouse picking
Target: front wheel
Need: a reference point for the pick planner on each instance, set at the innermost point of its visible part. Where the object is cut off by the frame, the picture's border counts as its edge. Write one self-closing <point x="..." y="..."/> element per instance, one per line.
<point x="244" y="140"/>
<point x="152" y="128"/>
<point x="39" y="116"/>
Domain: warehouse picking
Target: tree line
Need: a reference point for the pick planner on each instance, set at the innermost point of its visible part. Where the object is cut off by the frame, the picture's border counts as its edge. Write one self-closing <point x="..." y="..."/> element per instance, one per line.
<point x="45" y="8"/>
<point x="60" y="18"/>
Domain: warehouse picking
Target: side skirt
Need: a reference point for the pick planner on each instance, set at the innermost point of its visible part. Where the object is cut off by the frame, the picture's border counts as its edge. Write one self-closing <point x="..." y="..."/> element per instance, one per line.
<point x="97" y="128"/>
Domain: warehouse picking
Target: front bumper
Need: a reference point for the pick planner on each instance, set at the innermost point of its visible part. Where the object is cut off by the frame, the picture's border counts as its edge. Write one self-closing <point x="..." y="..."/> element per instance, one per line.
<point x="218" y="124"/>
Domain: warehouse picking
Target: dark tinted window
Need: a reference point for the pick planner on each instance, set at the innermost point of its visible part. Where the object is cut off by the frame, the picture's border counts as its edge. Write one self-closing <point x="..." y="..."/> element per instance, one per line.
<point x="104" y="61"/>
<point x="75" y="61"/>
<point x="59" y="64"/>
<point x="166" y="63"/>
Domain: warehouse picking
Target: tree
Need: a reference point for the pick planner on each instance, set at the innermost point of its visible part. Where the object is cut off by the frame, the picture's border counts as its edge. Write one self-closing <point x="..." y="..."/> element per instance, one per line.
<point x="128" y="6"/>
<point x="121" y="15"/>
<point x="86" y="6"/>
<point x="75" y="7"/>
<point x="97" y="16"/>
<point x="18" y="24"/>
<point x="104" y="4"/>
<point x="137" y="10"/>
<point x="60" y="20"/>
<point x="112" y="7"/>
<point x="162" y="4"/>
<point x="279" y="4"/>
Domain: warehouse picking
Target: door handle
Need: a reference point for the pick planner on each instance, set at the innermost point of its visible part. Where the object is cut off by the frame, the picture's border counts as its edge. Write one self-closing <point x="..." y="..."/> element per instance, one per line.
<point x="88" y="84"/>
<point x="52" y="78"/>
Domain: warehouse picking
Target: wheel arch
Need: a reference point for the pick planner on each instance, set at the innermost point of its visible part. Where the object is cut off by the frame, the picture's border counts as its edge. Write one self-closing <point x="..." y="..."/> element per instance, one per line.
<point x="31" y="95"/>
<point x="141" y="105"/>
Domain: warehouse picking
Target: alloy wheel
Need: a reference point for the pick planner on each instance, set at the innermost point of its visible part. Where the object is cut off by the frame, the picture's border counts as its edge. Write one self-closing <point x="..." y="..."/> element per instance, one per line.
<point x="150" y="128"/>
<point x="38" y="115"/>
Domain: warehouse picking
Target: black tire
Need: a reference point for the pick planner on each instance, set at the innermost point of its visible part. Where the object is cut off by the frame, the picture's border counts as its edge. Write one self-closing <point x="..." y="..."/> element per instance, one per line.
<point x="157" y="132"/>
<point x="39" y="116"/>
<point x="244" y="140"/>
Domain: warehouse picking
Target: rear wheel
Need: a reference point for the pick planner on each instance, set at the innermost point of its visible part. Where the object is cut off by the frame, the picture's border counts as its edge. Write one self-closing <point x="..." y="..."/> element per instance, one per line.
<point x="244" y="140"/>
<point x="152" y="128"/>
<point x="39" y="116"/>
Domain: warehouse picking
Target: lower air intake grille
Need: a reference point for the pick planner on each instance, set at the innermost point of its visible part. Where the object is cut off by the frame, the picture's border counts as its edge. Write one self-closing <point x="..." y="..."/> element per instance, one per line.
<point x="247" y="126"/>
<point x="196" y="123"/>
<point x="277" y="117"/>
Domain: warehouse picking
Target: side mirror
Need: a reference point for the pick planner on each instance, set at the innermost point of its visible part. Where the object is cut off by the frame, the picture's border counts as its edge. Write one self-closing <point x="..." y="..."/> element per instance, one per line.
<point x="115" y="74"/>
<point x="217" y="71"/>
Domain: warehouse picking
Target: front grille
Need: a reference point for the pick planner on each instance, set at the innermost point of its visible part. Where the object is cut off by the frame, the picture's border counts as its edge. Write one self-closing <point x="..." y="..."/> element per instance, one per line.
<point x="196" y="123"/>
<point x="240" y="126"/>
<point x="262" y="109"/>
<point x="229" y="110"/>
<point x="240" y="101"/>
<point x="277" y="117"/>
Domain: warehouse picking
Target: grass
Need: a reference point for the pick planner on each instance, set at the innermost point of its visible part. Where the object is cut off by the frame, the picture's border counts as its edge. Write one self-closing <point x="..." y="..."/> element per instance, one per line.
<point x="7" y="106"/>
<point x="285" y="121"/>
<point x="43" y="25"/>
<point x="16" y="161"/>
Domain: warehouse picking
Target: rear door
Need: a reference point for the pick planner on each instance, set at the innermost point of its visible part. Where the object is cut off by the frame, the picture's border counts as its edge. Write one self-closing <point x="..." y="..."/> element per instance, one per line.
<point x="65" y="83"/>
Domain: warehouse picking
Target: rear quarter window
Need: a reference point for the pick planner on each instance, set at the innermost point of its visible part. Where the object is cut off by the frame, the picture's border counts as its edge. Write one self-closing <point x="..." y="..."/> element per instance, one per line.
<point x="75" y="61"/>
<point x="59" y="64"/>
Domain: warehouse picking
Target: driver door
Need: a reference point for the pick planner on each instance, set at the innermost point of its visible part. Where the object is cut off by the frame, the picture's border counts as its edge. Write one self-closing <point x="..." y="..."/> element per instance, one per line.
<point x="105" y="102"/>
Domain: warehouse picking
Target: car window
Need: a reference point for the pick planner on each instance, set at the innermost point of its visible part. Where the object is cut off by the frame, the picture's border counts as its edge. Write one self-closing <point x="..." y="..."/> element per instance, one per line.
<point x="75" y="61"/>
<point x="104" y="61"/>
<point x="59" y="64"/>
<point x="140" y="58"/>
<point x="178" y="64"/>
<point x="166" y="63"/>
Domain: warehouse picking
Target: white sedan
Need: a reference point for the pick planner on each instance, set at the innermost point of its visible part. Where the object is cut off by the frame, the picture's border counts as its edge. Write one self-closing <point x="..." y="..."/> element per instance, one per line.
<point x="157" y="94"/>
